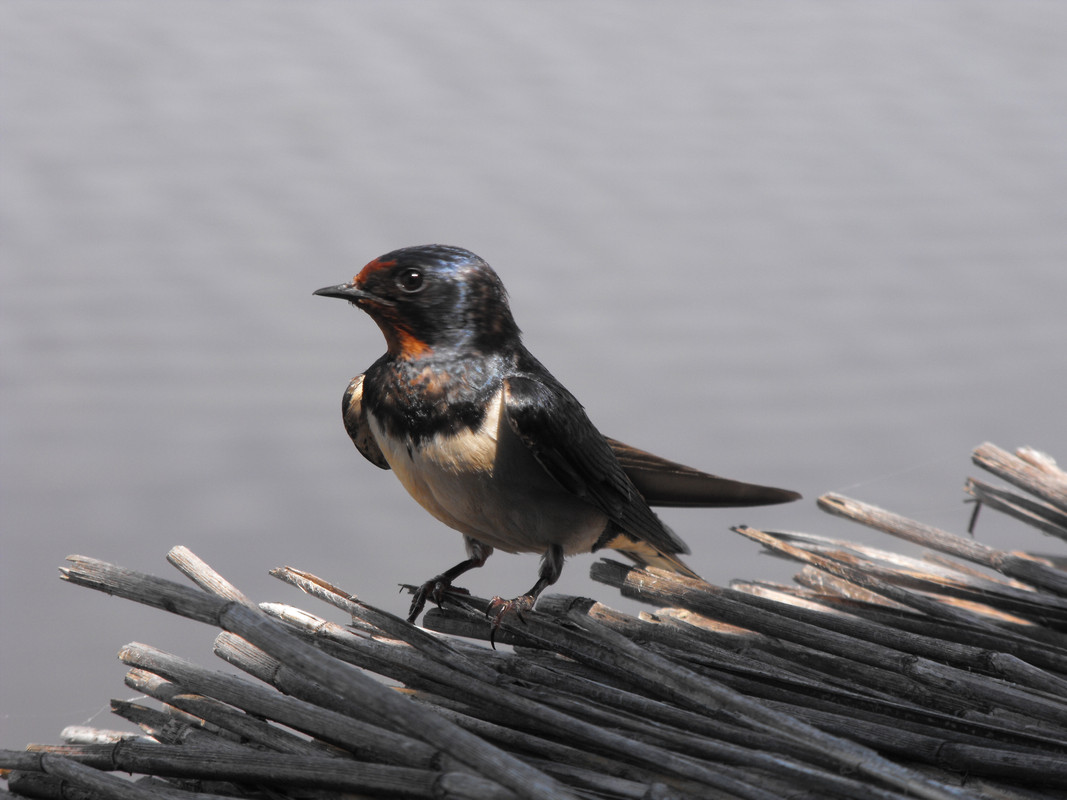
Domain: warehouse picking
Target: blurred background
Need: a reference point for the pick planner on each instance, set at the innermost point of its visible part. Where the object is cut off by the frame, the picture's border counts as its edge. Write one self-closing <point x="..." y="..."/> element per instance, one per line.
<point x="817" y="245"/>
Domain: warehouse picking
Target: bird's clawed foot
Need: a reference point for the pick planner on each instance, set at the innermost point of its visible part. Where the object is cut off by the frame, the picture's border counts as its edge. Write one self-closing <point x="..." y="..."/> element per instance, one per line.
<point x="498" y="608"/>
<point x="434" y="589"/>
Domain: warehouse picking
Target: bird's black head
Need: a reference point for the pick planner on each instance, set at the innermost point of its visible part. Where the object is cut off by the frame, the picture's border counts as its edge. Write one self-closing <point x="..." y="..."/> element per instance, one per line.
<point x="433" y="298"/>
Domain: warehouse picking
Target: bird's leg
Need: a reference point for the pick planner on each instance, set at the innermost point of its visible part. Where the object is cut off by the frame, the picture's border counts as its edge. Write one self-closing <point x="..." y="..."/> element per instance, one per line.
<point x="551" y="568"/>
<point x="438" y="586"/>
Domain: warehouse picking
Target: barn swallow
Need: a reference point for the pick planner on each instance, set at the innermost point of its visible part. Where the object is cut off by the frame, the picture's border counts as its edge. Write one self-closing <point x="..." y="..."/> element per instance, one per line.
<point x="490" y="443"/>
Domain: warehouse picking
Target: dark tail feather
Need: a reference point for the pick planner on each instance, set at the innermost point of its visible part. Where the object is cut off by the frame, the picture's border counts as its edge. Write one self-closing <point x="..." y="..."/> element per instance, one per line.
<point x="667" y="483"/>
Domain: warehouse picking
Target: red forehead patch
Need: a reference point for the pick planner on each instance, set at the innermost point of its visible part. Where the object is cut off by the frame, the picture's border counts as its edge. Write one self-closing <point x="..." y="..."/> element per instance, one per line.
<point x="371" y="268"/>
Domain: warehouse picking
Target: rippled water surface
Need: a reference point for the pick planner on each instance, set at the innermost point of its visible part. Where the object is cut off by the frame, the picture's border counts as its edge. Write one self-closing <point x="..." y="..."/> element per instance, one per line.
<point x="817" y="245"/>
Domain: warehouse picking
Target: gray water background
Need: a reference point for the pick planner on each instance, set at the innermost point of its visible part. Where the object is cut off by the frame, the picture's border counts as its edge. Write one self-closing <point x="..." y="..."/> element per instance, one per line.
<point x="821" y="245"/>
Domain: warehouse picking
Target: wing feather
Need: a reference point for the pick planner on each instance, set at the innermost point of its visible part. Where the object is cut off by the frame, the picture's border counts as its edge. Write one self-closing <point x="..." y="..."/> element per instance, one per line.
<point x="356" y="424"/>
<point x="554" y="426"/>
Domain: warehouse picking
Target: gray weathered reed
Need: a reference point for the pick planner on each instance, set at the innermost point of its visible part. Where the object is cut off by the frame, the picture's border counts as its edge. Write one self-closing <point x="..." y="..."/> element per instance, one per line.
<point x="876" y="675"/>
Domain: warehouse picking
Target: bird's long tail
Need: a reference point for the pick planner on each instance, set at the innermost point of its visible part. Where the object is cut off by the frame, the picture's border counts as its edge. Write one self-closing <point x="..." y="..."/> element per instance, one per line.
<point x="646" y="555"/>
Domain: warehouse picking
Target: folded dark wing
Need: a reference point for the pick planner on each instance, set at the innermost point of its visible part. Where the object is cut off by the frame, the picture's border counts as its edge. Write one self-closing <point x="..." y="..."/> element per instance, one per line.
<point x="356" y="425"/>
<point x="555" y="428"/>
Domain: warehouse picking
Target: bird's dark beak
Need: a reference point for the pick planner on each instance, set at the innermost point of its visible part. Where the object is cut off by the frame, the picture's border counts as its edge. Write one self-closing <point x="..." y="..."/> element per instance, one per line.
<point x="347" y="291"/>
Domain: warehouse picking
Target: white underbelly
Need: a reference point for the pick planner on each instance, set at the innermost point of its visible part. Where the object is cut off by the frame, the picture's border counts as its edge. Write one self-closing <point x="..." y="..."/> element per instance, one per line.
<point x="487" y="485"/>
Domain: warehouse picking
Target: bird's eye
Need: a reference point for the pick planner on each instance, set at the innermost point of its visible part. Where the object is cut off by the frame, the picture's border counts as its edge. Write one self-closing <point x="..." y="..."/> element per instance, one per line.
<point x="410" y="280"/>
